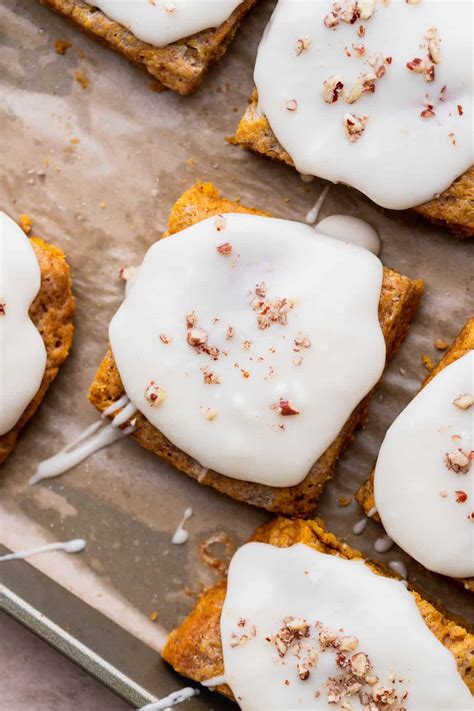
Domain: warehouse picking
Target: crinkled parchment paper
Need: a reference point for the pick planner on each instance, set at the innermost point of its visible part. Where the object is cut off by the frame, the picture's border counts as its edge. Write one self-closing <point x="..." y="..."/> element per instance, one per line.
<point x="97" y="165"/>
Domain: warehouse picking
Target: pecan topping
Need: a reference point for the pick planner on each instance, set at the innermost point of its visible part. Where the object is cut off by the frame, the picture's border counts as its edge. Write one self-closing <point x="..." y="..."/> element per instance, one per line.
<point x="360" y="664"/>
<point x="292" y="105"/>
<point x="461" y="497"/>
<point x="301" y="342"/>
<point x="458" y="461"/>
<point x="210" y="378"/>
<point x="239" y="641"/>
<point x="209" y="413"/>
<point x="302" y="45"/>
<point x="269" y="311"/>
<point x="332" y="87"/>
<point x="165" y="339"/>
<point x="2" y="307"/>
<point x="225" y="248"/>
<point x="196" y="336"/>
<point x="434" y="51"/>
<point x="285" y="408"/>
<point x="464" y="402"/>
<point x="191" y="319"/>
<point x="355" y="126"/>
<point x="428" y="112"/>
<point x="220" y="223"/>
<point x="229" y="332"/>
<point x="154" y="394"/>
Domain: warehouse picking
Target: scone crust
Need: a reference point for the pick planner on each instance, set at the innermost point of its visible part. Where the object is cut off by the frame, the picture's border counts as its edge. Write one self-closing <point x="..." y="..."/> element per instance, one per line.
<point x="454" y="208"/>
<point x="179" y="66"/>
<point x="398" y="302"/>
<point x="194" y="649"/>
<point x="52" y="313"/>
<point x="462" y="345"/>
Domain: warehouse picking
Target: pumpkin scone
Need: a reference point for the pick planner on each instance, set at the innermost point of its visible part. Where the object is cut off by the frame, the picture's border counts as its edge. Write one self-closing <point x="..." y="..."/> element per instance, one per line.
<point x="249" y="346"/>
<point x="36" y="328"/>
<point x="341" y="96"/>
<point x="173" y="40"/>
<point x="302" y="621"/>
<point x="422" y="487"/>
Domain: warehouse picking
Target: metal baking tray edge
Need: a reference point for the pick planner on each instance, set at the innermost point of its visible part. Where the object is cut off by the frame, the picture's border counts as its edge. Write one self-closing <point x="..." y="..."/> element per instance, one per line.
<point x="76" y="651"/>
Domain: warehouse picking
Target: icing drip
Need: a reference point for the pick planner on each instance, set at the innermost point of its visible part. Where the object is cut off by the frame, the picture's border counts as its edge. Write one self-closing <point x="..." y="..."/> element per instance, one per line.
<point x="76" y="545"/>
<point x="237" y="369"/>
<point x="121" y="402"/>
<point x="313" y="214"/>
<point x="22" y="350"/>
<point x="383" y="544"/>
<point x="350" y="229"/>
<point x="346" y="228"/>
<point x="372" y="512"/>
<point x="306" y="178"/>
<point x="180" y="536"/>
<point x="162" y="22"/>
<point x="424" y="477"/>
<point x="354" y="101"/>
<point x="215" y="681"/>
<point x="359" y="526"/>
<point x="399" y="567"/>
<point x="87" y="443"/>
<point x="176" y="697"/>
<point x="298" y="626"/>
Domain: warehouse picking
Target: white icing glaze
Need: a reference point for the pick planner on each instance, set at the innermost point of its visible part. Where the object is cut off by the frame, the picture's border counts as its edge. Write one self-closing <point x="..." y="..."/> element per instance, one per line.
<point x="215" y="681"/>
<point x="129" y="274"/>
<point x="383" y="544"/>
<point x="415" y="492"/>
<point x="371" y="512"/>
<point x="176" y="697"/>
<point x="22" y="350"/>
<point x="350" y="229"/>
<point x="267" y="584"/>
<point x="76" y="545"/>
<point x="180" y="536"/>
<point x="401" y="159"/>
<point x="88" y="442"/>
<point x="231" y="426"/>
<point x="313" y="214"/>
<point x="399" y="567"/>
<point x="360" y="526"/>
<point x="164" y="21"/>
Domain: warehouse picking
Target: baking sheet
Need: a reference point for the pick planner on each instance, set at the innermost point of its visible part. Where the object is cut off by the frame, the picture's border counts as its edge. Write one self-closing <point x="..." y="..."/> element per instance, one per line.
<point x="98" y="167"/>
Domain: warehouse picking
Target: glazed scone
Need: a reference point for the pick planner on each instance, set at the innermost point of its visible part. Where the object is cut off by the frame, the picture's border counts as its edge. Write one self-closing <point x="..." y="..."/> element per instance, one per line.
<point x="343" y="97"/>
<point x="397" y="299"/>
<point x="195" y="649"/>
<point x="451" y="484"/>
<point x="37" y="306"/>
<point x="180" y="64"/>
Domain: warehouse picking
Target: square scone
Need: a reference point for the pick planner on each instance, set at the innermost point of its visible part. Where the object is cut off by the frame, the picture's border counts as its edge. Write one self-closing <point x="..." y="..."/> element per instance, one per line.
<point x="300" y="621"/>
<point x="436" y="434"/>
<point x="36" y="325"/>
<point x="340" y="96"/>
<point x="268" y="402"/>
<point x="176" y="44"/>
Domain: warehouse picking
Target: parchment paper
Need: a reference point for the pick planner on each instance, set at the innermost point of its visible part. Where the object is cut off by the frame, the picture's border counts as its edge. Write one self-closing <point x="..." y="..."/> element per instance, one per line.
<point x="98" y="170"/>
